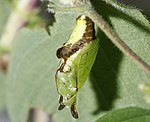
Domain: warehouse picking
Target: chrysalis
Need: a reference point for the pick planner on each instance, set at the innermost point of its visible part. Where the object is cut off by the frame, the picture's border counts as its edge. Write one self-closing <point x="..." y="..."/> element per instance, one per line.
<point x="76" y="56"/>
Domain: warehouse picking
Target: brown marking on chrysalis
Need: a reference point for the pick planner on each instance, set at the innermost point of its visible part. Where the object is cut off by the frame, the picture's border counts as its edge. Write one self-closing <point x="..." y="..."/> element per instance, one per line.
<point x="64" y="52"/>
<point x="89" y="35"/>
<point x="74" y="111"/>
<point x="61" y="103"/>
<point x="62" y="66"/>
<point x="67" y="50"/>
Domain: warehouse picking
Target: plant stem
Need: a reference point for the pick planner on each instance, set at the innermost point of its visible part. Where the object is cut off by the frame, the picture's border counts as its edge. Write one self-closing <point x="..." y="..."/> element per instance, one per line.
<point x="53" y="7"/>
<point x="16" y="21"/>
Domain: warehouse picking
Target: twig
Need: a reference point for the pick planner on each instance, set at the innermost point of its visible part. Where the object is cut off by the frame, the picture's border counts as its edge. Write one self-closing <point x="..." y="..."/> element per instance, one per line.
<point x="17" y="19"/>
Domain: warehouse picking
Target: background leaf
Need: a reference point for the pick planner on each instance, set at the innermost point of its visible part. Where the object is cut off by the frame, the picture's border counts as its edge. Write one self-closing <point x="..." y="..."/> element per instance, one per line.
<point x="116" y="76"/>
<point x="114" y="79"/>
<point x="126" y="115"/>
<point x="2" y="91"/>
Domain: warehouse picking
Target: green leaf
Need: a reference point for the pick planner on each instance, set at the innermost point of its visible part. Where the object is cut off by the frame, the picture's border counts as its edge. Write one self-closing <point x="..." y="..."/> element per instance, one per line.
<point x="2" y="91"/>
<point x="117" y="77"/>
<point x="126" y="115"/>
<point x="113" y="82"/>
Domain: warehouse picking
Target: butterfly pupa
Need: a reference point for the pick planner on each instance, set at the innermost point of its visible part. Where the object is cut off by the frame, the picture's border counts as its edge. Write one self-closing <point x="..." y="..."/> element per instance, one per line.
<point x="76" y="56"/>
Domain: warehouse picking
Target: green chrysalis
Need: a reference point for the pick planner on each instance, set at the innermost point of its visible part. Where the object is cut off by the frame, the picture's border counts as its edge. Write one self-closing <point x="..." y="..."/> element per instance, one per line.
<point x="77" y="56"/>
